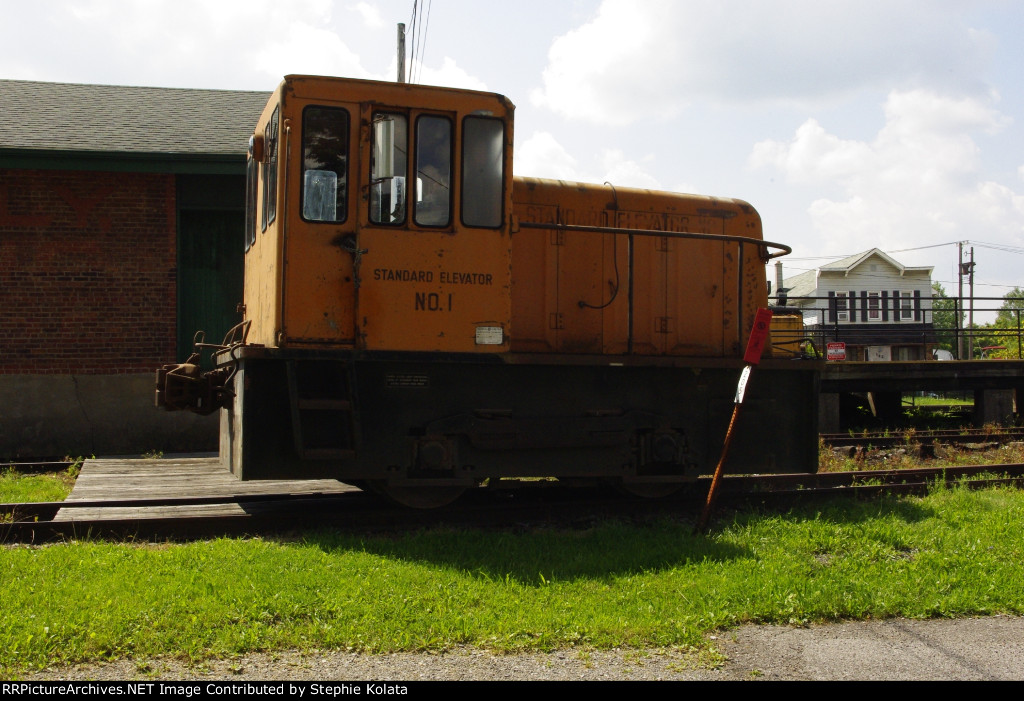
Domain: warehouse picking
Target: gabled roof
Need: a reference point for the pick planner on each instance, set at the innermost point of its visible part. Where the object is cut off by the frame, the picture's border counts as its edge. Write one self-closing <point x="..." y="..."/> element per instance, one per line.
<point x="847" y="264"/>
<point x="806" y="284"/>
<point x="47" y="121"/>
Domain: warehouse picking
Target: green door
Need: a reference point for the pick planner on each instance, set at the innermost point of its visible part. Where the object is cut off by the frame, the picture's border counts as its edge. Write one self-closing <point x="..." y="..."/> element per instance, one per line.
<point x="210" y="268"/>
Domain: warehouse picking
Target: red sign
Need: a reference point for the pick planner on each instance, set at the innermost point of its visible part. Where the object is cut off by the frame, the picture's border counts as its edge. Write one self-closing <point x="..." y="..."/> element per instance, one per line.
<point x="835" y="351"/>
<point x="758" y="336"/>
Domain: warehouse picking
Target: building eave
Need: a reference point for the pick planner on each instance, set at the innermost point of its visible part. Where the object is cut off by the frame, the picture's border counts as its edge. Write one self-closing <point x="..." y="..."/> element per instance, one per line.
<point x="132" y="162"/>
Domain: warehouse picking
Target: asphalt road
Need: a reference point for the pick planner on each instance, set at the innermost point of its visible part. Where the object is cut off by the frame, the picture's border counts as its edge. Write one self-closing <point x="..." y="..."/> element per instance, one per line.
<point x="896" y="649"/>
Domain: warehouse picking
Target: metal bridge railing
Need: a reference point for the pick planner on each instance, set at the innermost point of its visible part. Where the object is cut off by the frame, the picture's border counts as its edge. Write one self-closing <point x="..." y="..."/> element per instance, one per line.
<point x="929" y="324"/>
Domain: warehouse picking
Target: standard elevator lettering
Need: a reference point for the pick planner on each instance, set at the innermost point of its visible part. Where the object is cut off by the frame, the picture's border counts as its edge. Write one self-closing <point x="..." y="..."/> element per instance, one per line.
<point x="389" y="275"/>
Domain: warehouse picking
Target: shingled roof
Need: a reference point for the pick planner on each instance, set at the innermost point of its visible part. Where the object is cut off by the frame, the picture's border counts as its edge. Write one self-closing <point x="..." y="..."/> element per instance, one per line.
<point x="50" y="119"/>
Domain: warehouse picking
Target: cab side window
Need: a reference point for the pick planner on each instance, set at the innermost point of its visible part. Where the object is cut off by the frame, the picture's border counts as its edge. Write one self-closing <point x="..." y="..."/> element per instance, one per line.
<point x="251" y="183"/>
<point x="483" y="164"/>
<point x="269" y="166"/>
<point x="388" y="168"/>
<point x="325" y="145"/>
<point x="433" y="170"/>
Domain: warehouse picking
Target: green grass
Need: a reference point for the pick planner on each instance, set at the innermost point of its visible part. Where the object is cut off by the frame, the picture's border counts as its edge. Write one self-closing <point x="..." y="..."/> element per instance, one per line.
<point x="953" y="553"/>
<point x="51" y="486"/>
<point x="933" y="401"/>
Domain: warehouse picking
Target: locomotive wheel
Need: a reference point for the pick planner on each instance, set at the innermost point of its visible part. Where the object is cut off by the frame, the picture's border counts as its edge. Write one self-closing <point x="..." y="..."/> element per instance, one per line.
<point x="649" y="490"/>
<point x="417" y="497"/>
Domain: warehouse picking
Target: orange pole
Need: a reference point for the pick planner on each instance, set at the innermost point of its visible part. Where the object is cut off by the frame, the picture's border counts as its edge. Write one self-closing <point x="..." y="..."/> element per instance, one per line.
<point x="712" y="491"/>
<point x="755" y="346"/>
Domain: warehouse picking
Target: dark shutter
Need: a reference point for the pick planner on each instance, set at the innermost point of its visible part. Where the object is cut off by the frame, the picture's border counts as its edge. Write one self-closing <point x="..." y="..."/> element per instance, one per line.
<point x="896" y="312"/>
<point x="852" y="296"/>
<point x="917" y="305"/>
<point x="831" y="319"/>
<point x="864" y="305"/>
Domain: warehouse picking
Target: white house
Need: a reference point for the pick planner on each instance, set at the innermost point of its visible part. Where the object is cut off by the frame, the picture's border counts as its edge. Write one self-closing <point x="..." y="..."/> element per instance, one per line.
<point x="880" y="308"/>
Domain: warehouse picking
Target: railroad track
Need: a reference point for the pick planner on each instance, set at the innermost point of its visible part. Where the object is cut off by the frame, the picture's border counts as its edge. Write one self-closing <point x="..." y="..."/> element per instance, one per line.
<point x="529" y="504"/>
<point x="890" y="439"/>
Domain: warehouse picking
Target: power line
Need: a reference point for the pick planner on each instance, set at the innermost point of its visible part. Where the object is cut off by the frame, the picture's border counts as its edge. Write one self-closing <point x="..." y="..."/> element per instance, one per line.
<point x="418" y="37"/>
<point x="413" y="28"/>
<point x="423" y="47"/>
<point x="921" y="248"/>
<point x="898" y="250"/>
<point x="1005" y="248"/>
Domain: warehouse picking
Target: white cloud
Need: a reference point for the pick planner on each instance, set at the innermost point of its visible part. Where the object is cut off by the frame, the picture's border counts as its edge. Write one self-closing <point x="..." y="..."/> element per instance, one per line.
<point x="640" y="60"/>
<point x="541" y="156"/>
<point x="619" y="170"/>
<point x="187" y="43"/>
<point x="917" y="183"/>
<point x="230" y="44"/>
<point x="812" y="154"/>
<point x="449" y="74"/>
<point x="370" y="14"/>
<point x="303" y="48"/>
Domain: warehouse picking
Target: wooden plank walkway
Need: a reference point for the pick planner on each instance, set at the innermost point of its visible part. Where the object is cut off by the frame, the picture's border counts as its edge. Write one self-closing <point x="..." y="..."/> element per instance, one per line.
<point x="125" y="479"/>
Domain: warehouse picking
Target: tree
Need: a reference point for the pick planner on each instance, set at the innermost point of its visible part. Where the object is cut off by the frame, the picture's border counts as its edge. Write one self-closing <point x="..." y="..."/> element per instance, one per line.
<point x="944" y="317"/>
<point x="1006" y="329"/>
<point x="1013" y="303"/>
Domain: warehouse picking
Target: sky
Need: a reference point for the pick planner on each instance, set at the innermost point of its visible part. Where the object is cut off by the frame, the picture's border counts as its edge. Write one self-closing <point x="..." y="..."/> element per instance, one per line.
<point x="849" y="125"/>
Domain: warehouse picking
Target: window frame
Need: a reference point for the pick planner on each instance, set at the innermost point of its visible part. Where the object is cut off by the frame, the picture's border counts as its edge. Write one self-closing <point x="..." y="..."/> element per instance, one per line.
<point x="842" y="307"/>
<point x="464" y="174"/>
<point x="874" y="306"/>
<point x="906" y="307"/>
<point x="403" y="173"/>
<point x="416" y="169"/>
<point x="252" y="184"/>
<point x="269" y="169"/>
<point x="342" y="210"/>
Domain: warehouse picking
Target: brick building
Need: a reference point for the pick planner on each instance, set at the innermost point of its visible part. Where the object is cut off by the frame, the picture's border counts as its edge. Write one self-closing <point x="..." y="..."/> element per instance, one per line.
<point x="121" y="224"/>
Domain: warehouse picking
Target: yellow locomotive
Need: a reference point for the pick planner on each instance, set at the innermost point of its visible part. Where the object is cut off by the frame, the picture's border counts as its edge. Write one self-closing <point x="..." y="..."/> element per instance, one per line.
<point x="418" y="321"/>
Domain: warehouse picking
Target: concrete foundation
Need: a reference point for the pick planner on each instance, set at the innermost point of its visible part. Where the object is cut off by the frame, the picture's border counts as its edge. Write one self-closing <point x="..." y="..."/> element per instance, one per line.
<point x="828" y="413"/>
<point x="58" y="415"/>
<point x="994" y="406"/>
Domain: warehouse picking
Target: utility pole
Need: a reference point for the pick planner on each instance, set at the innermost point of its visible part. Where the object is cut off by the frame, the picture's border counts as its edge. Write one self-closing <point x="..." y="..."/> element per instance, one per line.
<point x="401" y="52"/>
<point x="965" y="269"/>
<point x="960" y="304"/>
<point x="970" y="320"/>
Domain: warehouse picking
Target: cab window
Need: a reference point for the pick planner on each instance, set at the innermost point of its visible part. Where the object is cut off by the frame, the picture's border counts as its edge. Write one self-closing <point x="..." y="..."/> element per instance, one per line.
<point x="388" y="168"/>
<point x="433" y="170"/>
<point x="483" y="163"/>
<point x="269" y="212"/>
<point x="325" y="132"/>
<point x="250" y="199"/>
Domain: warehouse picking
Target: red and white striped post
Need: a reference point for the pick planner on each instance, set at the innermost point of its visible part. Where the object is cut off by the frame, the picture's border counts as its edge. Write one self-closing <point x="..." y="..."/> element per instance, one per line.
<point x="755" y="346"/>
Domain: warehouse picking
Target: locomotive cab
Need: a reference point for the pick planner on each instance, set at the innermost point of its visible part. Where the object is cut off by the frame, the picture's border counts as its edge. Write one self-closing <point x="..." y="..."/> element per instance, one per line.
<point x="378" y="218"/>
